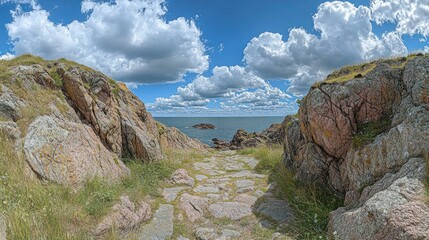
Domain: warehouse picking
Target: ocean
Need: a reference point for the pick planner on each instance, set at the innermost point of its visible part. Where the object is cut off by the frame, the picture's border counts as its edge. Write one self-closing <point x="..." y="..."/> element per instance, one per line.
<point x="225" y="126"/>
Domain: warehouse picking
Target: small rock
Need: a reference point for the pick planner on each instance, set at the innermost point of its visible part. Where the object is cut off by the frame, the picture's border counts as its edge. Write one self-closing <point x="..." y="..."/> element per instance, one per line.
<point x="265" y="223"/>
<point x="205" y="234"/>
<point x="124" y="217"/>
<point x="259" y="193"/>
<point x="276" y="209"/>
<point x="227" y="233"/>
<point x="180" y="176"/>
<point x="161" y="227"/>
<point x="193" y="206"/>
<point x="231" y="210"/>
<point x="170" y="194"/>
<point x="200" y="177"/>
<point x="244" y="185"/>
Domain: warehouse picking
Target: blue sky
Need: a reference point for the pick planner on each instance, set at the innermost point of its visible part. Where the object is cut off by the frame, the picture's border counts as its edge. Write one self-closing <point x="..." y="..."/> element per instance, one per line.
<point x="215" y="58"/>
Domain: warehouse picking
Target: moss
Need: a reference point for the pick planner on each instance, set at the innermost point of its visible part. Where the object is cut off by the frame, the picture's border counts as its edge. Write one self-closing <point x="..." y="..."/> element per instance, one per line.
<point x="368" y="131"/>
<point x="161" y="128"/>
<point x="57" y="78"/>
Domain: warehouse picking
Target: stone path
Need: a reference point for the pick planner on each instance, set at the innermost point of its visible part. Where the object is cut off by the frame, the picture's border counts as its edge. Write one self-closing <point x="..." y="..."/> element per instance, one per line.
<point x="228" y="201"/>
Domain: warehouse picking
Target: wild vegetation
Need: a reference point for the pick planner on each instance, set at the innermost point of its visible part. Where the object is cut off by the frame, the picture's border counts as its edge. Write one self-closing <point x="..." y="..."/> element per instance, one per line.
<point x="368" y="131"/>
<point x="311" y="204"/>
<point x="36" y="209"/>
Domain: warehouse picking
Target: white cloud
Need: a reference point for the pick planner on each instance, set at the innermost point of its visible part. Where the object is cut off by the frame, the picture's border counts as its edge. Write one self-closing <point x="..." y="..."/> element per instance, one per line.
<point x="411" y="16"/>
<point x="7" y="56"/>
<point x="346" y="37"/>
<point x="128" y="40"/>
<point x="223" y="83"/>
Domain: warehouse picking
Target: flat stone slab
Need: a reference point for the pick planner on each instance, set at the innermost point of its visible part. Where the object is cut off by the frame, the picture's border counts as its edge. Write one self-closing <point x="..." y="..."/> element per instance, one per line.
<point x="206" y="189"/>
<point x="203" y="165"/>
<point x="200" y="177"/>
<point x="170" y="194"/>
<point x="193" y="206"/>
<point x="161" y="227"/>
<point x="276" y="209"/>
<point x="231" y="210"/>
<point x="246" y="198"/>
<point x="246" y="174"/>
<point x="244" y="183"/>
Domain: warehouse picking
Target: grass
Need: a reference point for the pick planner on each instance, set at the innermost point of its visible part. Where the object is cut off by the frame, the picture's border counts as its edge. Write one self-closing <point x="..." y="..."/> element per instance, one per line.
<point x="368" y="131"/>
<point x="269" y="157"/>
<point x="350" y="72"/>
<point x="42" y="210"/>
<point x="312" y="204"/>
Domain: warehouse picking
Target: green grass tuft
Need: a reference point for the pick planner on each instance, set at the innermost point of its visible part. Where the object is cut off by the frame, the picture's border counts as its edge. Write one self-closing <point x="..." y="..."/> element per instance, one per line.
<point x="368" y="131"/>
<point x="269" y="157"/>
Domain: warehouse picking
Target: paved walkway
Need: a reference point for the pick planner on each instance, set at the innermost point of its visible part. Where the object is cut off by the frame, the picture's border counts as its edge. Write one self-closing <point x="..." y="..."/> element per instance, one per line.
<point x="224" y="199"/>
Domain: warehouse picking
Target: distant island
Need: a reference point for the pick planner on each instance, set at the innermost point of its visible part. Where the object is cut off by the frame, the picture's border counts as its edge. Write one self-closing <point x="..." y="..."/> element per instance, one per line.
<point x="204" y="126"/>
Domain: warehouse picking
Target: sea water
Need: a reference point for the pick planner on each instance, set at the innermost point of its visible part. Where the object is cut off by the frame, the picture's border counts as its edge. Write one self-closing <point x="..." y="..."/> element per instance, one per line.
<point x="225" y="126"/>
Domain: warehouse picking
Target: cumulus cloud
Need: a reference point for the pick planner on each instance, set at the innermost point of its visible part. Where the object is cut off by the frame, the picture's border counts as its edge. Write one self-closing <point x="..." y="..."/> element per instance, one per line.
<point x="128" y="40"/>
<point x="346" y="37"/>
<point x="7" y="56"/>
<point x="411" y="16"/>
<point x="223" y="82"/>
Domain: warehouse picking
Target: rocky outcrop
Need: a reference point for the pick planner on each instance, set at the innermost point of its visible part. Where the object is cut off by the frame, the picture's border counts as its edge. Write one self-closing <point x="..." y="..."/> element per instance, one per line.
<point x="69" y="153"/>
<point x="180" y="176"/>
<point x="124" y="217"/>
<point x="366" y="138"/>
<point x="204" y="126"/>
<point x="273" y="135"/>
<point x="76" y="123"/>
<point x="172" y="138"/>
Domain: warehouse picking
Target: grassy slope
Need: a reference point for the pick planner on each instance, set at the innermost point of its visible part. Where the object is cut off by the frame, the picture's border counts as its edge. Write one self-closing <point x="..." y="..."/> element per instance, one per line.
<point x="311" y="203"/>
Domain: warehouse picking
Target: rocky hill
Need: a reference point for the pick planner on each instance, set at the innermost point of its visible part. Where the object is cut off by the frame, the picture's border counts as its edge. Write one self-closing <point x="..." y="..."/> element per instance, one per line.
<point x="73" y="123"/>
<point x="364" y="132"/>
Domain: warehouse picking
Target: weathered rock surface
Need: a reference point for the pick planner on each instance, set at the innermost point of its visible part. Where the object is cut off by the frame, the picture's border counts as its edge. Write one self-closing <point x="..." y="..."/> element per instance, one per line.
<point x="11" y="130"/>
<point x="181" y="176"/>
<point x="100" y="118"/>
<point x="365" y="138"/>
<point x="193" y="206"/>
<point x="9" y="104"/>
<point x="231" y="210"/>
<point x="124" y="217"/>
<point x="204" y="126"/>
<point x="242" y="139"/>
<point x="277" y="210"/>
<point x="161" y="226"/>
<point x="69" y="153"/>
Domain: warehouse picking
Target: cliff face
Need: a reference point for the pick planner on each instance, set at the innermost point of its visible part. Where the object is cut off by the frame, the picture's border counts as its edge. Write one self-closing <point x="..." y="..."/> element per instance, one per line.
<point x="73" y="123"/>
<point x="364" y="132"/>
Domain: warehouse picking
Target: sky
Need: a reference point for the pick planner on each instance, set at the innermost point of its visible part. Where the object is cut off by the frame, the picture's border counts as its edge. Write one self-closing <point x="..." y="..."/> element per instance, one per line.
<point x="215" y="58"/>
